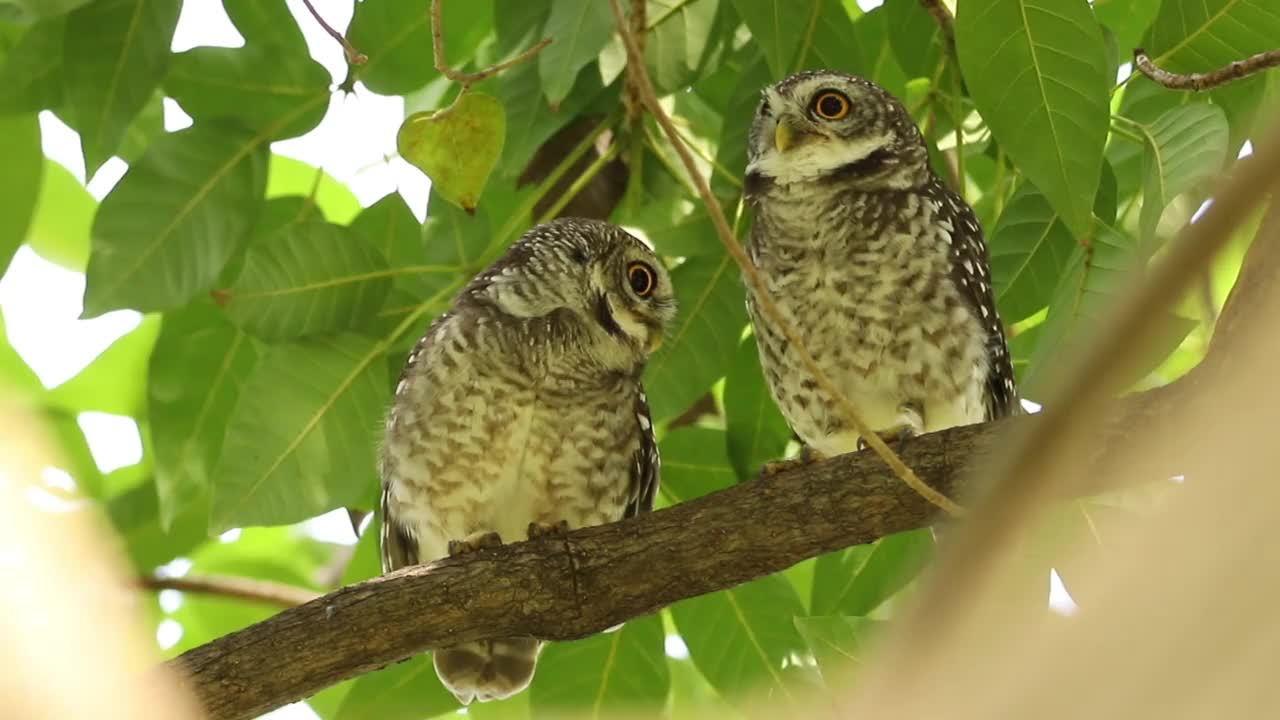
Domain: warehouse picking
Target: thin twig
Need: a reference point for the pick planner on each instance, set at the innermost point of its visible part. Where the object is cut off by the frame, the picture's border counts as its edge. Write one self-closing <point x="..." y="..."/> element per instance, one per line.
<point x="469" y="79"/>
<point x="635" y="64"/>
<point x="354" y="56"/>
<point x="946" y="23"/>
<point x="234" y="587"/>
<point x="1205" y="81"/>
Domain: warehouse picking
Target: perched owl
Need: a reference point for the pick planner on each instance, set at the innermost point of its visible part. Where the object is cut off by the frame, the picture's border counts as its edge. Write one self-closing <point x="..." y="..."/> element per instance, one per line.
<point x="878" y="266"/>
<point x="521" y="412"/>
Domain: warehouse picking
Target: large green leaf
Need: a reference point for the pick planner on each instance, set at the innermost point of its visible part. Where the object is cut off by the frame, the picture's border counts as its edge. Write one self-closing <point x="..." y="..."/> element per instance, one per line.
<point x="266" y="23"/>
<point x="407" y="690"/>
<point x="266" y="87"/>
<point x="892" y="563"/>
<point x="530" y="121"/>
<point x="838" y="643"/>
<point x="24" y="164"/>
<point x="606" y="674"/>
<point x="679" y="37"/>
<point x="579" y="30"/>
<point x="741" y="639"/>
<point x="286" y="176"/>
<point x="396" y="36"/>
<point x="59" y="231"/>
<point x="115" y="54"/>
<point x="1037" y="71"/>
<point x="308" y="278"/>
<point x="832" y="575"/>
<point x="135" y="516"/>
<point x="779" y="27"/>
<point x="391" y="229"/>
<point x="1128" y="19"/>
<point x="1185" y="146"/>
<point x="166" y="230"/>
<point x="116" y="381"/>
<point x="738" y="116"/>
<point x="695" y="462"/>
<point x="31" y="78"/>
<point x="703" y="339"/>
<point x="300" y="440"/>
<point x="757" y="432"/>
<point x="831" y="43"/>
<point x="197" y="368"/>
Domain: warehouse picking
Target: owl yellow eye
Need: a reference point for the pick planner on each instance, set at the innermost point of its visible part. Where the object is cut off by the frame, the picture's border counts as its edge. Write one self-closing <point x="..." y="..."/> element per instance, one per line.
<point x="641" y="278"/>
<point x="830" y="105"/>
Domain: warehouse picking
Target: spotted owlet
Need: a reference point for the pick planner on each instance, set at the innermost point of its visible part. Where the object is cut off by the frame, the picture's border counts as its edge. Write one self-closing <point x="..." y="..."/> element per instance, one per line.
<point x="880" y="269"/>
<point x="521" y="412"/>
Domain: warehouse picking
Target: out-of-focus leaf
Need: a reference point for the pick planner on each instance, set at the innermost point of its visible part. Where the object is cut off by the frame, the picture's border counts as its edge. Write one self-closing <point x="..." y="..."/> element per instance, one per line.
<point x="915" y="39"/>
<point x="286" y="176"/>
<point x="115" y="53"/>
<point x="135" y="515"/>
<point x="64" y="213"/>
<point x="832" y="575"/>
<point x="278" y="92"/>
<point x="624" y="671"/>
<point x="679" y="34"/>
<point x="838" y="643"/>
<point x="1037" y="72"/>
<point x="530" y="121"/>
<point x="779" y="27"/>
<point x="197" y="368"/>
<point x="456" y="147"/>
<point x="115" y="382"/>
<point x="702" y="340"/>
<point x="16" y="377"/>
<point x="408" y="690"/>
<point x="581" y="29"/>
<point x="735" y="638"/>
<point x="20" y="181"/>
<point x="300" y="439"/>
<point x="894" y="561"/>
<point x="695" y="462"/>
<point x="146" y="126"/>
<point x="1129" y="20"/>
<point x="166" y="230"/>
<point x="732" y="151"/>
<point x="31" y="78"/>
<point x="757" y="432"/>
<point x="833" y="45"/>
<point x="308" y="278"/>
<point x="1186" y="146"/>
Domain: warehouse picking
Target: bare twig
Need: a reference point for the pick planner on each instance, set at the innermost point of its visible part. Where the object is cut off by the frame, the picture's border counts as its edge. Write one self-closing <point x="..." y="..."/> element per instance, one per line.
<point x="233" y="587"/>
<point x="1208" y="80"/>
<point x="598" y="577"/>
<point x="469" y="79"/>
<point x="946" y="23"/>
<point x="354" y="56"/>
<point x="635" y="64"/>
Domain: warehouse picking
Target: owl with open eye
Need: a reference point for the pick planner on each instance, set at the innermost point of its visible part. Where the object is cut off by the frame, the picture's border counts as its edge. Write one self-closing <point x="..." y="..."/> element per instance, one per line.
<point x="521" y="412"/>
<point x="878" y="266"/>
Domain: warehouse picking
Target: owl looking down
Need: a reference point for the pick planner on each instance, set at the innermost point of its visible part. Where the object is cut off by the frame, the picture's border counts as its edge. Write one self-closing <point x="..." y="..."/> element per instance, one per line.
<point x="880" y="269"/>
<point x="521" y="412"/>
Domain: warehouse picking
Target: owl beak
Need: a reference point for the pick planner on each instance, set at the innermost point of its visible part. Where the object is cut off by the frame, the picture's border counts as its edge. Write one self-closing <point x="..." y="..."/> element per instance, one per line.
<point x="786" y="136"/>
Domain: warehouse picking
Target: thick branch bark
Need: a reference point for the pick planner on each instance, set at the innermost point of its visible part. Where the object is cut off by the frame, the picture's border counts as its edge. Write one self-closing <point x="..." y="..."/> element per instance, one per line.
<point x="597" y="577"/>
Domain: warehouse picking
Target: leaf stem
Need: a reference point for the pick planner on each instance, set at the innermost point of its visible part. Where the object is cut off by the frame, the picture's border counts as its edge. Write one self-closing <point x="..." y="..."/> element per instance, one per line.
<point x="469" y="79"/>
<point x="354" y="56"/>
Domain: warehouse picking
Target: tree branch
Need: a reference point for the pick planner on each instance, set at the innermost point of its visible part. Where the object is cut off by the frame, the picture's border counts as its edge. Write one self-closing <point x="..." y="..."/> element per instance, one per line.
<point x="946" y="23"/>
<point x="599" y="576"/>
<point x="469" y="79"/>
<point x="644" y="86"/>
<point x="354" y="56"/>
<point x="264" y="591"/>
<point x="1209" y="80"/>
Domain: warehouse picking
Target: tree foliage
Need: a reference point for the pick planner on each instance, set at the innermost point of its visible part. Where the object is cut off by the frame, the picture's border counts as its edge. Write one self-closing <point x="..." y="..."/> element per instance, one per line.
<point x="279" y="312"/>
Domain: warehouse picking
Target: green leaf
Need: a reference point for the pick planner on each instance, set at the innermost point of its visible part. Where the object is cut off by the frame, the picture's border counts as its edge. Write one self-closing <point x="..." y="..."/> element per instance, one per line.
<point x="408" y="690"/>
<point x="268" y="88"/>
<point x="64" y="213"/>
<point x="456" y="147"/>
<point x="530" y="122"/>
<point x="135" y="515"/>
<point x="197" y="368"/>
<point x="300" y="439"/>
<point x="286" y="176"/>
<point x="731" y="153"/>
<point x="308" y="278"/>
<point x="703" y="339"/>
<point x="16" y="377"/>
<point x="396" y="35"/>
<point x="391" y="229"/>
<point x="894" y="561"/>
<point x="779" y="27"/>
<point x="146" y="126"/>
<point x="1037" y="72"/>
<point x="1185" y="147"/>
<point x="116" y="381"/>
<point x="1030" y="249"/>
<point x="915" y="38"/>
<point x="114" y="56"/>
<point x="830" y="42"/>
<point x="24" y="163"/>
<point x="166" y="230"/>
<point x="838" y="643"/>
<point x="579" y="30"/>
<point x="31" y="78"/>
<point x="695" y="462"/>
<point x="737" y="640"/>
<point x="48" y="8"/>
<point x="678" y="38"/>
<point x="1128" y="19"/>
<point x="1203" y="36"/>
<point x="757" y="432"/>
<point x="832" y="574"/>
<point x="621" y="671"/>
<point x="266" y="23"/>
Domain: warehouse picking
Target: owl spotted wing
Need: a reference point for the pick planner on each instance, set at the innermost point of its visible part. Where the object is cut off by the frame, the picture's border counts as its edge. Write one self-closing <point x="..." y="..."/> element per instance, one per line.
<point x="645" y="465"/>
<point x="970" y="271"/>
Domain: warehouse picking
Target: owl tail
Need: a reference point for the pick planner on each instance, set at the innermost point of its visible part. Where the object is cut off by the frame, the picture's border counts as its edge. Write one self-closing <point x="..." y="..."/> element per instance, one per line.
<point x="487" y="670"/>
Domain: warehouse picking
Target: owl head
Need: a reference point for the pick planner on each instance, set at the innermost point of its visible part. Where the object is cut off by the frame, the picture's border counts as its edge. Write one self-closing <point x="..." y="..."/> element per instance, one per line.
<point x="822" y="125"/>
<point x="594" y="275"/>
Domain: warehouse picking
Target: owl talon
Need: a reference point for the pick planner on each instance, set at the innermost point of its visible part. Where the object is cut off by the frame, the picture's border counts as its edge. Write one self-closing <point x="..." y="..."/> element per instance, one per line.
<point x="538" y="530"/>
<point x="806" y="456"/>
<point x="895" y="438"/>
<point x="473" y="542"/>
